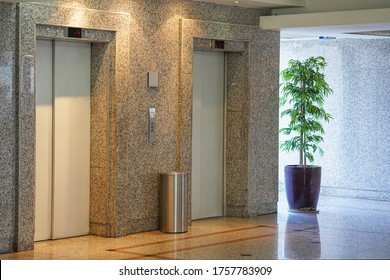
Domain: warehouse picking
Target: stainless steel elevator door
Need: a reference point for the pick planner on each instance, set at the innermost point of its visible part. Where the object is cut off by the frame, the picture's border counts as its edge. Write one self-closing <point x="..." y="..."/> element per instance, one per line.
<point x="208" y="134"/>
<point x="62" y="139"/>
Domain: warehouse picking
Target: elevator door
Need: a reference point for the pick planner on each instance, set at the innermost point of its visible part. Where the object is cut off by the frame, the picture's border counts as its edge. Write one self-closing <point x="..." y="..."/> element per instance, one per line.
<point x="62" y="139"/>
<point x="208" y="134"/>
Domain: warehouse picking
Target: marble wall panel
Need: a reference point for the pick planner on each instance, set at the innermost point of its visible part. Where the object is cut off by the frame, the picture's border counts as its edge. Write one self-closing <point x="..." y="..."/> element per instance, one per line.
<point x="154" y="32"/>
<point x="99" y="204"/>
<point x="218" y="13"/>
<point x="8" y="126"/>
<point x="203" y="44"/>
<point x="100" y="100"/>
<point x="26" y="162"/>
<point x="235" y="46"/>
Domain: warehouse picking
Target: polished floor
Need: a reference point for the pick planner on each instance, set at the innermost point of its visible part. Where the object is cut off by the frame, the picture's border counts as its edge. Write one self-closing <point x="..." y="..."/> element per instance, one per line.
<point x="343" y="229"/>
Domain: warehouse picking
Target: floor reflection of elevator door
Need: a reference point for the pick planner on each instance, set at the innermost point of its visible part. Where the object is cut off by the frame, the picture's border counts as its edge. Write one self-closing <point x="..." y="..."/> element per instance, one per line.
<point x="62" y="139"/>
<point x="208" y="134"/>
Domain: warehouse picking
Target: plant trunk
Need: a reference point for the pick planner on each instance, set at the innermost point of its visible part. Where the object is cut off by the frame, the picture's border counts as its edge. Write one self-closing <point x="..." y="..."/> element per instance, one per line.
<point x="302" y="158"/>
<point x="302" y="140"/>
<point x="301" y="151"/>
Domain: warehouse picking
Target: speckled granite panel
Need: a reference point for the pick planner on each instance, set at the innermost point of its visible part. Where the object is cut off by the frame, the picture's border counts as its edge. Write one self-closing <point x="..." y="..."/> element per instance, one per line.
<point x="185" y="158"/>
<point x="236" y="184"/>
<point x="263" y="123"/>
<point x="141" y="225"/>
<point x="220" y="13"/>
<point x="99" y="196"/>
<point x="236" y="129"/>
<point x="237" y="96"/>
<point x="8" y="130"/>
<point x="103" y="147"/>
<point x="255" y="103"/>
<point x="47" y="31"/>
<point x="237" y="211"/>
<point x="203" y="44"/>
<point x="100" y="105"/>
<point x="235" y="46"/>
<point x="7" y="221"/>
<point x="188" y="9"/>
<point x="237" y="161"/>
<point x="154" y="23"/>
<point x="356" y="144"/>
<point x="26" y="162"/>
<point x="237" y="82"/>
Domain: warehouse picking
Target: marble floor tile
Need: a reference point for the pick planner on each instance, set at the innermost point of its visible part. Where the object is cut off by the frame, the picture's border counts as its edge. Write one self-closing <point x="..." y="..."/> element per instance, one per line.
<point x="343" y="229"/>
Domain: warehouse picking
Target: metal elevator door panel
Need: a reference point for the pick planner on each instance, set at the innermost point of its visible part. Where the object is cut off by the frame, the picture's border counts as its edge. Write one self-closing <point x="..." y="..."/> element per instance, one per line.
<point x="43" y="140"/>
<point x="208" y="134"/>
<point x="69" y="171"/>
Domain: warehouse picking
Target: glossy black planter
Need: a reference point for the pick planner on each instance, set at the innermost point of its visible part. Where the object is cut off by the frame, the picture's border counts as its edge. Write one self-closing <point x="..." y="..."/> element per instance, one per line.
<point x="302" y="187"/>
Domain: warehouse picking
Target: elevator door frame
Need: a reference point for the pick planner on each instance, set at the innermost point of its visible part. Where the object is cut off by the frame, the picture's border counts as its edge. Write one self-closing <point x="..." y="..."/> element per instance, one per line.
<point x="108" y="81"/>
<point x="224" y="133"/>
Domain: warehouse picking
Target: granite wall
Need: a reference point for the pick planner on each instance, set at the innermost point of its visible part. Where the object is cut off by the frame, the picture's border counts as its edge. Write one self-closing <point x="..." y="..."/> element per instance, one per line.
<point x="8" y="126"/>
<point x="129" y="39"/>
<point x="356" y="162"/>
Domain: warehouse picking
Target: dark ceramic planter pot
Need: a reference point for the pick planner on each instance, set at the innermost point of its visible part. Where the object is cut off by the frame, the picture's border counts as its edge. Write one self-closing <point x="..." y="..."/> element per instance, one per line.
<point x="302" y="187"/>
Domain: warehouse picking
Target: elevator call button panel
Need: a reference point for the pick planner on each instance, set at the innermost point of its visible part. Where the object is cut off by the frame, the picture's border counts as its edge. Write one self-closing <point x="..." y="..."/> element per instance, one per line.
<point x="152" y="125"/>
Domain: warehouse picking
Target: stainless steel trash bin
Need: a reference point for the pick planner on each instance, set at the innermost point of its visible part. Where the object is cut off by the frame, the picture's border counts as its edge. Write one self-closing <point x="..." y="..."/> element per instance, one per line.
<point x="174" y="202"/>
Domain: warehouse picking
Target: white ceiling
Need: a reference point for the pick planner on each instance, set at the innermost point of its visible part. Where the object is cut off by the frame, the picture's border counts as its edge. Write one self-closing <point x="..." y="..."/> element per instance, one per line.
<point x="368" y="24"/>
<point x="357" y="31"/>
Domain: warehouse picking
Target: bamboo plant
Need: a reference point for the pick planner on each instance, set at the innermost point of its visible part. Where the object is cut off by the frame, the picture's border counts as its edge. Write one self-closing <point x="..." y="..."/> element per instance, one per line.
<point x="304" y="88"/>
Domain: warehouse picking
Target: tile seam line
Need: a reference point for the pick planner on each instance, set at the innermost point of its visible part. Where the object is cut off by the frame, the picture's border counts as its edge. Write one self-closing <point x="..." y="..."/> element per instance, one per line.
<point x="189" y="237"/>
<point x="207" y="245"/>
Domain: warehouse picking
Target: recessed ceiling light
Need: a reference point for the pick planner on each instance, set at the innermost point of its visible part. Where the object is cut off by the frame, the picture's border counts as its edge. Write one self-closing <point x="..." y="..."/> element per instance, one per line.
<point x="236" y="2"/>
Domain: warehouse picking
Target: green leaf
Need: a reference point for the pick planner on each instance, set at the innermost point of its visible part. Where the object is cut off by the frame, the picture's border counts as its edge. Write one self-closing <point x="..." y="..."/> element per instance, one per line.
<point x="285" y="131"/>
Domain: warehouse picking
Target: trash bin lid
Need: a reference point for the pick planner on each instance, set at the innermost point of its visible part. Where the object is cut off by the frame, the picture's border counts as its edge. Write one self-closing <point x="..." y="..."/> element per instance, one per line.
<point x="173" y="173"/>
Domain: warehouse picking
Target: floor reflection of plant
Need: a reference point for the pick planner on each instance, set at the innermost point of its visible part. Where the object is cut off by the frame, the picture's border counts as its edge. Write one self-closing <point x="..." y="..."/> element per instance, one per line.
<point x="302" y="237"/>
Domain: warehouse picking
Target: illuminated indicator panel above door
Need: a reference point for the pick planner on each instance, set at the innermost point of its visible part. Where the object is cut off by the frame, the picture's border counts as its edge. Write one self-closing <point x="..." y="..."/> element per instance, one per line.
<point x="74" y="32"/>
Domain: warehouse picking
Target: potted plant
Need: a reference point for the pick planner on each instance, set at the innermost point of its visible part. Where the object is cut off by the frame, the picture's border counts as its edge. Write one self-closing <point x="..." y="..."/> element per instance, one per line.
<point x="304" y="88"/>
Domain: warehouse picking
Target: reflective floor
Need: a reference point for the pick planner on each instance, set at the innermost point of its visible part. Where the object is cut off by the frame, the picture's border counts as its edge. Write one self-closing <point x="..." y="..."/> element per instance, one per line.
<point x="343" y="229"/>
